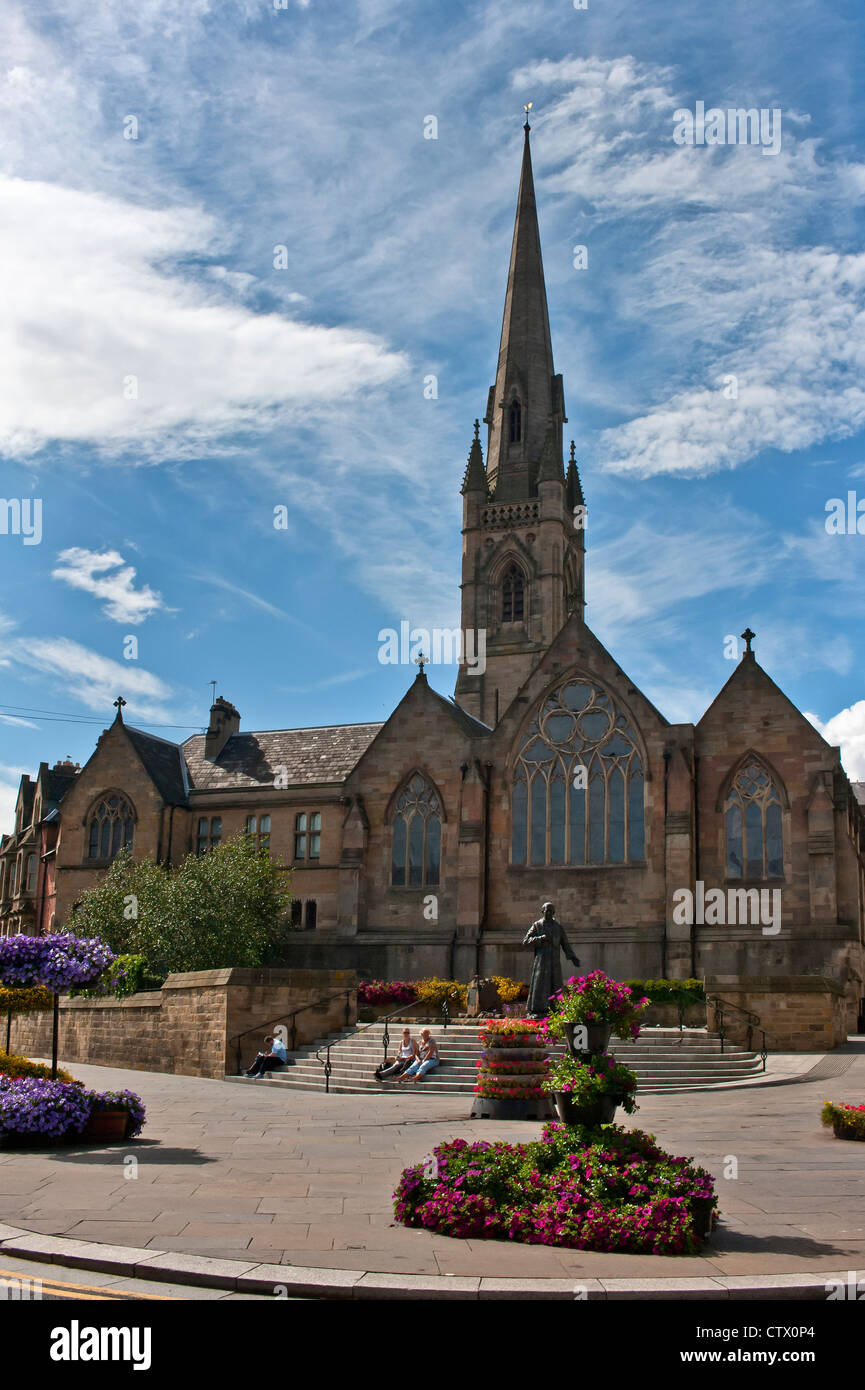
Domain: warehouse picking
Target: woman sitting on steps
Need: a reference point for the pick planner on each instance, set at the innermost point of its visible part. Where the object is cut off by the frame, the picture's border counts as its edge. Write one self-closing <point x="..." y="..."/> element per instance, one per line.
<point x="408" y="1053"/>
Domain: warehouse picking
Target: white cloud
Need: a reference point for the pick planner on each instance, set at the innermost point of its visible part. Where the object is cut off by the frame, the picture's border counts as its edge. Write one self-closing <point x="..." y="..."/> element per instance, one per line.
<point x="106" y="575"/>
<point x="107" y="339"/>
<point x="847" y="729"/>
<point x="16" y="722"/>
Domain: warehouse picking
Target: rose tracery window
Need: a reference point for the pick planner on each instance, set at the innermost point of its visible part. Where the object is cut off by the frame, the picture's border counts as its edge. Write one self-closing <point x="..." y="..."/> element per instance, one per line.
<point x="417" y="836"/>
<point x="578" y="782"/>
<point x="753" y="825"/>
<point x="112" y="825"/>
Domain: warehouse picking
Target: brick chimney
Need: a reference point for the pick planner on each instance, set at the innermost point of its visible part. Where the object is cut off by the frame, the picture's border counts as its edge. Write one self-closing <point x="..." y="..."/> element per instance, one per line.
<point x="224" y="721"/>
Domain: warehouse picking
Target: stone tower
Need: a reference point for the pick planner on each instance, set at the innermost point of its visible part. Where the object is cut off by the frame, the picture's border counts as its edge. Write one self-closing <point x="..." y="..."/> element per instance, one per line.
<point x="523" y="518"/>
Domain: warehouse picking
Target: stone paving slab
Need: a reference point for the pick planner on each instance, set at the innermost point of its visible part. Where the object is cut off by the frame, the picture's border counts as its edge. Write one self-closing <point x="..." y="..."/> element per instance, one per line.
<point x="303" y="1179"/>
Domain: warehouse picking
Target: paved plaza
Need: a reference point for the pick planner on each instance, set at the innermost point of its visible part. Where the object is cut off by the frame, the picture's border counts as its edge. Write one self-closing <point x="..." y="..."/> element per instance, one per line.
<point x="263" y="1174"/>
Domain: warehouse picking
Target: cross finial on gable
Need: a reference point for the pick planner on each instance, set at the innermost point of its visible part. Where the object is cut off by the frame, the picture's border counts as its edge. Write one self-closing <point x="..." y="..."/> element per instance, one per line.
<point x="421" y="661"/>
<point x="748" y="637"/>
<point x="118" y="704"/>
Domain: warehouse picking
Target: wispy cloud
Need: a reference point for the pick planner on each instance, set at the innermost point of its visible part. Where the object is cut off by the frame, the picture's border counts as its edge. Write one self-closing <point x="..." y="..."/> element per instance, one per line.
<point x="94" y="679"/>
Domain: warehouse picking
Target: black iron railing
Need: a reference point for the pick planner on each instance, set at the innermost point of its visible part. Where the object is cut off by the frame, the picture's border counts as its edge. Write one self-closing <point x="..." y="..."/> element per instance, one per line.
<point x="754" y="1024"/>
<point x="385" y="1019"/>
<point x="292" y="1017"/>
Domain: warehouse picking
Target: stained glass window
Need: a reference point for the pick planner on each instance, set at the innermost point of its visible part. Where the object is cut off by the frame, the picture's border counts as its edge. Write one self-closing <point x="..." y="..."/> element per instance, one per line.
<point x="753" y="825"/>
<point x="417" y="831"/>
<point x="578" y="790"/>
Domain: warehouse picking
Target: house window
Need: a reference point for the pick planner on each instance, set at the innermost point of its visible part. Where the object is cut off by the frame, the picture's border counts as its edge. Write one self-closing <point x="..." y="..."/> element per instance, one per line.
<point x="515" y="421"/>
<point x="310" y="914"/>
<point x="307" y="835"/>
<point x="513" y="595"/>
<point x="417" y="836"/>
<point x="296" y="912"/>
<point x="13" y="877"/>
<point x="209" y="833"/>
<point x="578" y="783"/>
<point x="32" y="868"/>
<point x="258" y="829"/>
<point x="753" y="825"/>
<point x="112" y="825"/>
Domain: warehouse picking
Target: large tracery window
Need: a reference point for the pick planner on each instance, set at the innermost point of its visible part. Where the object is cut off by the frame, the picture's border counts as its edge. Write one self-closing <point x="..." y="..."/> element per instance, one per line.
<point x="513" y="595"/>
<point x="112" y="825"/>
<point x="753" y="825"/>
<point x="417" y="836"/>
<point x="578" y="783"/>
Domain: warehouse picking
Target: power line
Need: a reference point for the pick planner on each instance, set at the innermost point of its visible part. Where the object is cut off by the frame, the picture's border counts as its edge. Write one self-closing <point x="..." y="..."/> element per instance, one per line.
<point x="58" y="717"/>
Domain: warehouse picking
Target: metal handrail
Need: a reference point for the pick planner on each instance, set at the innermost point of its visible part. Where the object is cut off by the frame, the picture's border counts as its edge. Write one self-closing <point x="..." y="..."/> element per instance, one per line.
<point x="754" y="1022"/>
<point x="385" y="1019"/>
<point x="316" y="1004"/>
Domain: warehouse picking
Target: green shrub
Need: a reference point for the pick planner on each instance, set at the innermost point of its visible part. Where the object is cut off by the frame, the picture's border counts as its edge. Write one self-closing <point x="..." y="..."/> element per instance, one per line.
<point x="679" y="992"/>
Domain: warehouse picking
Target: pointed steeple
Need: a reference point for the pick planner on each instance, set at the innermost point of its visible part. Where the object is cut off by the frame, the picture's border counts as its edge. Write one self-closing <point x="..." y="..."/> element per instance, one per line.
<point x="550" y="467"/>
<point x="475" y="479"/>
<point x="527" y="398"/>
<point x="573" y="486"/>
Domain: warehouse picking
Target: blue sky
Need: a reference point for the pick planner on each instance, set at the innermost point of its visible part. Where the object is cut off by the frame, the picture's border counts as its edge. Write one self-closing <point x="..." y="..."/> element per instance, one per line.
<point x="165" y="386"/>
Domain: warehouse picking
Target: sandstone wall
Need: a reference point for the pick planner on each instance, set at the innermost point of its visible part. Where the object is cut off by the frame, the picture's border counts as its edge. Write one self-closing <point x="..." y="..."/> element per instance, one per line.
<point x="800" y="1013"/>
<point x="189" y="1026"/>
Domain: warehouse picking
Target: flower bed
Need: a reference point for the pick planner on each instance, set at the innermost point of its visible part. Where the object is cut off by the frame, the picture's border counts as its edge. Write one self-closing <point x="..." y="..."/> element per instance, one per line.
<point x="34" y="1108"/>
<point x="431" y="991"/>
<point x="607" y="1189"/>
<point x="14" y="1066"/>
<point x="847" y="1121"/>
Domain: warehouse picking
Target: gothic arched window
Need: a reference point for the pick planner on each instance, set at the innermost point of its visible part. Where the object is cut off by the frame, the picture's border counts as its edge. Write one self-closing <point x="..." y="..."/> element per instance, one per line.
<point x="515" y="420"/>
<point x="513" y="595"/>
<point x="417" y="836"/>
<point x="753" y="825"/>
<point x="578" y="782"/>
<point x="112" y="825"/>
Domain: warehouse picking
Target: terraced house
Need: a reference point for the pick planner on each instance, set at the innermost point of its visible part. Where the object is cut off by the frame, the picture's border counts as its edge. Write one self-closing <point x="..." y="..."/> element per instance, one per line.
<point x="426" y="844"/>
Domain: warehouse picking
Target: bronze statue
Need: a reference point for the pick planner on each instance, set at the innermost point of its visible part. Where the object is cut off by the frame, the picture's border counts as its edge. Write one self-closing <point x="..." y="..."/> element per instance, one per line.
<point x="547" y="937"/>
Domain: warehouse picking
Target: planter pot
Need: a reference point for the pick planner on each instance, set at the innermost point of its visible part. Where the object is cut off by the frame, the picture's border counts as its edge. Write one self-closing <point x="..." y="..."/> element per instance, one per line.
<point x="106" y="1125"/>
<point x="570" y="1112"/>
<point x="598" y="1039"/>
<point x="840" y="1130"/>
<point x="490" y="1108"/>
<point x="702" y="1213"/>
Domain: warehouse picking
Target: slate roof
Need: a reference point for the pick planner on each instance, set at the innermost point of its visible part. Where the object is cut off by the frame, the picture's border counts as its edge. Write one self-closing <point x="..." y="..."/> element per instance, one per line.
<point x="164" y="761"/>
<point x="467" y="722"/>
<point x="308" y="756"/>
<point x="859" y="792"/>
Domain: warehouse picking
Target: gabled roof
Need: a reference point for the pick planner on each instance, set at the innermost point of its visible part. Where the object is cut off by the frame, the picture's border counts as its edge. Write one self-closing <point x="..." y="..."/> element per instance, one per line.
<point x="308" y="756"/>
<point x="164" y="762"/>
<point x="859" y="792"/>
<point x="467" y="722"/>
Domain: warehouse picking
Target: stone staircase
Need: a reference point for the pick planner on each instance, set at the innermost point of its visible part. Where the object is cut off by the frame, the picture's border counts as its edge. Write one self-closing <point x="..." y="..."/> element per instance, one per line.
<point x="664" y="1059"/>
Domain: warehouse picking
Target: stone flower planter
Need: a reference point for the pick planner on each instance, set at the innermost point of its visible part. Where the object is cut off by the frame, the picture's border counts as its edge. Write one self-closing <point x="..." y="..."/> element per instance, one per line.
<point x="570" y="1112"/>
<point x="106" y="1125"/>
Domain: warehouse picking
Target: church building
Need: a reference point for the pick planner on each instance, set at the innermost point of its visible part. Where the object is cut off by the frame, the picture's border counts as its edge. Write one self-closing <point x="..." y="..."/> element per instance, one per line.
<point x="733" y="847"/>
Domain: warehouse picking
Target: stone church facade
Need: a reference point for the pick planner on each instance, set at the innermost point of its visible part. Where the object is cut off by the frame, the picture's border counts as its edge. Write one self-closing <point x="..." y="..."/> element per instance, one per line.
<point x="426" y="844"/>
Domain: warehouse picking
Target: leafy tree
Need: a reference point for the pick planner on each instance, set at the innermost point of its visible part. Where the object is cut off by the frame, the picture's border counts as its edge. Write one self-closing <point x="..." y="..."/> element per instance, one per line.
<point x="228" y="907"/>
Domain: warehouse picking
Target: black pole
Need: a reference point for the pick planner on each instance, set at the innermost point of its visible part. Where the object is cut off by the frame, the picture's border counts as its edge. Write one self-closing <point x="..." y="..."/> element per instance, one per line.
<point x="54" y="1037"/>
<point x="8" y="1028"/>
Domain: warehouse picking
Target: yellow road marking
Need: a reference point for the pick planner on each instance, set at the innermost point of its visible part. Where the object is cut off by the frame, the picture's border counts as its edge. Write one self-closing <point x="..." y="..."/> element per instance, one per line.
<point x="85" y="1291"/>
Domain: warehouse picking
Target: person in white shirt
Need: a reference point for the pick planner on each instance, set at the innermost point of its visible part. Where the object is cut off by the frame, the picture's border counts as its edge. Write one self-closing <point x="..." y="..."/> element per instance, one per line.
<point x="272" y="1057"/>
<point x="408" y="1053"/>
<point x="427" y="1058"/>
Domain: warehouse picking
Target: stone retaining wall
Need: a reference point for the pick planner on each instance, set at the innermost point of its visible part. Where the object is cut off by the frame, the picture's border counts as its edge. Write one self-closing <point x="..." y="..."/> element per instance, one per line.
<point x="187" y="1027"/>
<point x="800" y="1013"/>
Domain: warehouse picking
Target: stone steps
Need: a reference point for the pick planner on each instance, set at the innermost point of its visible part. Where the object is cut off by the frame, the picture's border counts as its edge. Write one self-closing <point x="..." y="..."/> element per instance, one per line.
<point x="663" y="1058"/>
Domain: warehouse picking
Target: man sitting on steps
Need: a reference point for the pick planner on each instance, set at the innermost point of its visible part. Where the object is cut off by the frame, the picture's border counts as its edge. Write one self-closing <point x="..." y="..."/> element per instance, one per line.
<point x="428" y="1058"/>
<point x="272" y="1057"/>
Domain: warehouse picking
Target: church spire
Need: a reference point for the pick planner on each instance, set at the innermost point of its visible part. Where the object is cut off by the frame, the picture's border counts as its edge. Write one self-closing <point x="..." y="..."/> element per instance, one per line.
<point x="527" y="399"/>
